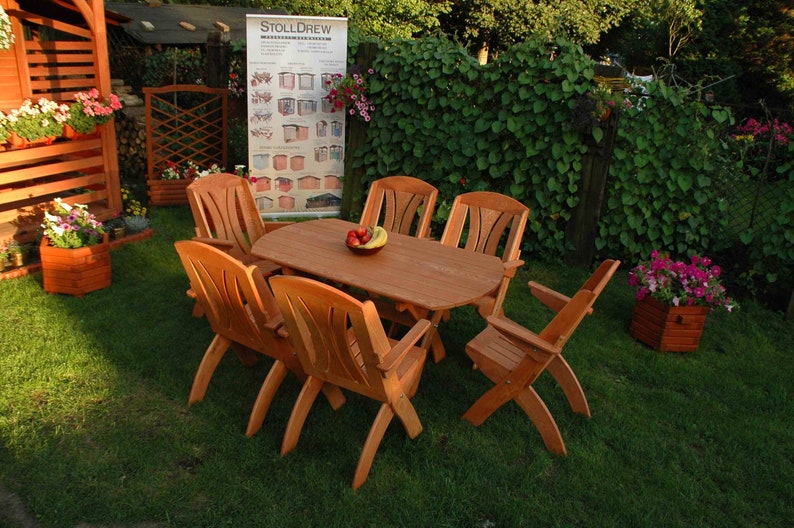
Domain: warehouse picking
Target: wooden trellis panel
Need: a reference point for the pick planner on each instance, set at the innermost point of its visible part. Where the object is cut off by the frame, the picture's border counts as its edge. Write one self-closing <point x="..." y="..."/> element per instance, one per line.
<point x="55" y="58"/>
<point x="185" y="122"/>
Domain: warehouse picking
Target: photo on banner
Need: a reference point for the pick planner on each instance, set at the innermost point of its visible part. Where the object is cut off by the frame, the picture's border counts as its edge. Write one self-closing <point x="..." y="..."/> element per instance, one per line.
<point x="295" y="141"/>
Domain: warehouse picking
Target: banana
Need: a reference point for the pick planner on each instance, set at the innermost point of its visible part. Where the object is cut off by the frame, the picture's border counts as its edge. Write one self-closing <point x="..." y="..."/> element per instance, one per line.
<point x="379" y="238"/>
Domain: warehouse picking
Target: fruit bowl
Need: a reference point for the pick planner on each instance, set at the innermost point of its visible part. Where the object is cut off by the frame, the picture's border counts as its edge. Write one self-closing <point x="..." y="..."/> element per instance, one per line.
<point x="364" y="251"/>
<point x="366" y="240"/>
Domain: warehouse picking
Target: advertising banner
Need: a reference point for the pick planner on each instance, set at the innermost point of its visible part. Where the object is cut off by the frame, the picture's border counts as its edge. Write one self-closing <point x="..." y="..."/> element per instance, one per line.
<point x="295" y="141"/>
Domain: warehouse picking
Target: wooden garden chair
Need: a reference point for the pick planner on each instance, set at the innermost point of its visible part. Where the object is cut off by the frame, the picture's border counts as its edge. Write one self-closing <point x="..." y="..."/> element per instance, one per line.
<point x="488" y="222"/>
<point x="340" y="342"/>
<point x="513" y="357"/>
<point x="244" y="316"/>
<point x="226" y="217"/>
<point x="394" y="202"/>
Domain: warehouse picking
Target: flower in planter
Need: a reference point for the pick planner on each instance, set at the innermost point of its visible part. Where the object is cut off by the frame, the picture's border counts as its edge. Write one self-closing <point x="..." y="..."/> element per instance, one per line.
<point x="171" y="172"/>
<point x="88" y="111"/>
<point x="214" y="169"/>
<point x="240" y="171"/>
<point x="677" y="283"/>
<point x="132" y="207"/>
<point x="72" y="226"/>
<point x="350" y="92"/>
<point x="6" y="32"/>
<point x="3" y="127"/>
<point x="33" y="121"/>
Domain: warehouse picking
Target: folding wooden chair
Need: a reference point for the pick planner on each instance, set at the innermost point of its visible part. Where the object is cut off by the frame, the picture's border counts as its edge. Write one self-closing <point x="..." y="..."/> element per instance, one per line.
<point x="340" y="342"/>
<point x="393" y="203"/>
<point x="244" y="316"/>
<point x="513" y="357"/>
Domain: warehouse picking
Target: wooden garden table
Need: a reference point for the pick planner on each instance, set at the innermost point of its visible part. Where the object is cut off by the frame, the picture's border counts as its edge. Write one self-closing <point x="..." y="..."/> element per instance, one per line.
<point x="422" y="276"/>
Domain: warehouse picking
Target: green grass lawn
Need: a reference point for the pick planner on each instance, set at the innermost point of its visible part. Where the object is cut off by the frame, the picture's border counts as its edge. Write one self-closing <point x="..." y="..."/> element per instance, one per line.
<point x="95" y="427"/>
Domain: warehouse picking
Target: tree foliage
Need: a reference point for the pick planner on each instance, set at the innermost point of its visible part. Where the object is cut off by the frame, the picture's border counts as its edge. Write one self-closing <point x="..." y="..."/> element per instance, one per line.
<point x="498" y="24"/>
<point x="384" y="19"/>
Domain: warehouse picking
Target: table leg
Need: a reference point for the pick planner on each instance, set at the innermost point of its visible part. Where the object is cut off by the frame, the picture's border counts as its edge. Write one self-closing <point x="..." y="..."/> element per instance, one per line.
<point x="432" y="339"/>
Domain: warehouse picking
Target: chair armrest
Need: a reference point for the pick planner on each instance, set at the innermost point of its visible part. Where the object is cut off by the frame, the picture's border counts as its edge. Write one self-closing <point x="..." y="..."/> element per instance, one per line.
<point x="511" y="267"/>
<point x="554" y="300"/>
<point x="511" y="329"/>
<point x="398" y="352"/>
<point x="217" y="243"/>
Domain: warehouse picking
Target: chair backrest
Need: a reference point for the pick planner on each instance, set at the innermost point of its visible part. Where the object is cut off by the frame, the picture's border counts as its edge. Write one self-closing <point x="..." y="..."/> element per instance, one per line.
<point x="236" y="299"/>
<point x="337" y="338"/>
<point x="224" y="207"/>
<point x="485" y="217"/>
<point x="393" y="203"/>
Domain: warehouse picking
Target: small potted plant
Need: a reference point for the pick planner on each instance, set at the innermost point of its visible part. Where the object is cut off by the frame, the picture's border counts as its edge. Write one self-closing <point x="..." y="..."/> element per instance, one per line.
<point x="87" y="112"/>
<point x="4" y="262"/>
<point x="135" y="219"/>
<point x="673" y="299"/>
<point x="39" y="122"/>
<point x="116" y="227"/>
<point x="75" y="253"/>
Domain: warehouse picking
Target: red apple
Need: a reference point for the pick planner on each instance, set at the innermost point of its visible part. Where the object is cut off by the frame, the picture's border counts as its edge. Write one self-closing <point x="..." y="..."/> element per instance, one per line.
<point x="352" y="233"/>
<point x="366" y="238"/>
<point x="353" y="241"/>
<point x="361" y="231"/>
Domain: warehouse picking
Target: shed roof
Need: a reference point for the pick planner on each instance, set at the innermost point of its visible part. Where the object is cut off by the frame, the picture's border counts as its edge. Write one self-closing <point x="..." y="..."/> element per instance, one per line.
<point x="165" y="21"/>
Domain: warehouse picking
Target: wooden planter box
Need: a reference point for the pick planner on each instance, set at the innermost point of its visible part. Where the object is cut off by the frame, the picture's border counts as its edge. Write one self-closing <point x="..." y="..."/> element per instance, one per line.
<point x="168" y="192"/>
<point x="75" y="271"/>
<point x="668" y="328"/>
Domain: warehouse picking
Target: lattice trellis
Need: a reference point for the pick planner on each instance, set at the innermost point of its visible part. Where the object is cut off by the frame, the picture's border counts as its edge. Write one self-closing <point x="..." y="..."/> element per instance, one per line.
<point x="185" y="123"/>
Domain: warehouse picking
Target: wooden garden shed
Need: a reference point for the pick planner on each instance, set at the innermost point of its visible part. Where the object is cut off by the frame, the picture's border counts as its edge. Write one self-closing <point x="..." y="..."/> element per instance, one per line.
<point x="60" y="48"/>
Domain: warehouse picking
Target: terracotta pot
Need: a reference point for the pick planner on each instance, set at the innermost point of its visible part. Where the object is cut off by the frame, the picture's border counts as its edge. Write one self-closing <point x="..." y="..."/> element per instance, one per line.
<point x="668" y="328"/>
<point x="168" y="192"/>
<point x="72" y="134"/>
<point x="19" y="142"/>
<point x="75" y="271"/>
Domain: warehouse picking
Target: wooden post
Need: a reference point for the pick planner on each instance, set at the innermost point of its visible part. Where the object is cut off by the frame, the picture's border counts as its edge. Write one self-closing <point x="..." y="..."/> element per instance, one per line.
<point x="218" y="59"/>
<point x="356" y="135"/>
<point x="582" y="228"/>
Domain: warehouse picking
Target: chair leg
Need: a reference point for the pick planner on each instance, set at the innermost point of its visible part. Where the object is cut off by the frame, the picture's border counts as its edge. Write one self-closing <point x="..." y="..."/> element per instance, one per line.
<point x="334" y="396"/>
<point x="198" y="310"/>
<point x="486" y="405"/>
<point x="247" y="356"/>
<point x="311" y="388"/>
<point x="563" y="373"/>
<point x="266" y="394"/>
<point x="209" y="363"/>
<point x="406" y="413"/>
<point x="376" y="432"/>
<point x="541" y="417"/>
